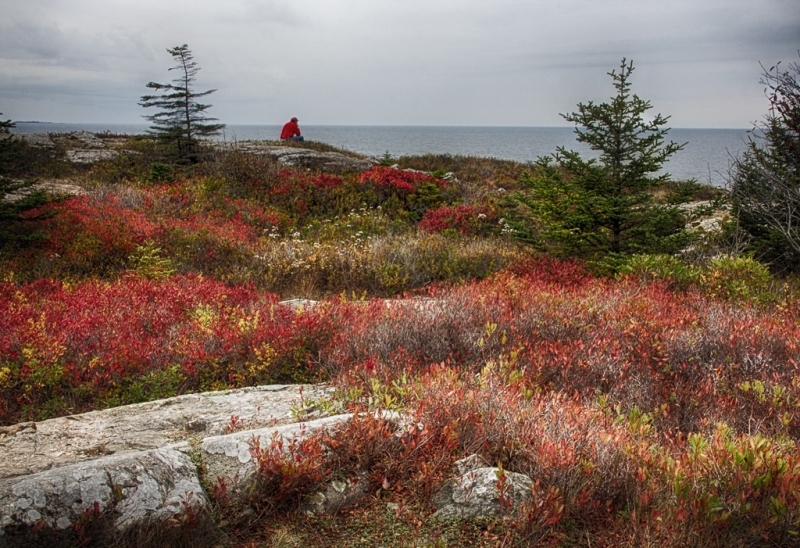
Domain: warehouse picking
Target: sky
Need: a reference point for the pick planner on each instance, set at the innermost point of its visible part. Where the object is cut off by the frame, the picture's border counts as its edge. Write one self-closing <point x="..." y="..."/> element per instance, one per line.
<point x="394" y="62"/>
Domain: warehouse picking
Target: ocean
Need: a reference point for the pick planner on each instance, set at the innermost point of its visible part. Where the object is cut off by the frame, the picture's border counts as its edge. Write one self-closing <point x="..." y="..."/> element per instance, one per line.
<point x="706" y="157"/>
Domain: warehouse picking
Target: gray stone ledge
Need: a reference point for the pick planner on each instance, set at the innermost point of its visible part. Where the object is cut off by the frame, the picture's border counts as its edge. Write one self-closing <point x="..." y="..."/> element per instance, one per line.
<point x="229" y="458"/>
<point x="37" y="446"/>
<point x="136" y="489"/>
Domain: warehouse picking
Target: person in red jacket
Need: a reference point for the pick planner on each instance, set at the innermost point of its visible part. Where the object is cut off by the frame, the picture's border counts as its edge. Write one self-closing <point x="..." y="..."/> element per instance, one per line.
<point x="291" y="131"/>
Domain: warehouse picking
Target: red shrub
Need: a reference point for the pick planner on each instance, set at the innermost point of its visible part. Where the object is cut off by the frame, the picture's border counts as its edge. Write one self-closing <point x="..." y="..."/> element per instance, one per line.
<point x="404" y="182"/>
<point x="74" y="349"/>
<point x="465" y="219"/>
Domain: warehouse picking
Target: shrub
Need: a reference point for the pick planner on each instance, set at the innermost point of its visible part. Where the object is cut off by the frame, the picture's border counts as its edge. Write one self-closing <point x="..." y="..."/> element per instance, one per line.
<point x="473" y="220"/>
<point x="738" y="279"/>
<point x="71" y="349"/>
<point x="665" y="268"/>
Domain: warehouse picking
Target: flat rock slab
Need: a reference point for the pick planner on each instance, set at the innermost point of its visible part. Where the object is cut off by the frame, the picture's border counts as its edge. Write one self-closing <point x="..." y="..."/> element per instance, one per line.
<point x="229" y="458"/>
<point x="55" y="187"/>
<point x="330" y="162"/>
<point x="134" y="489"/>
<point x="34" y="139"/>
<point x="33" y="447"/>
<point x="90" y="156"/>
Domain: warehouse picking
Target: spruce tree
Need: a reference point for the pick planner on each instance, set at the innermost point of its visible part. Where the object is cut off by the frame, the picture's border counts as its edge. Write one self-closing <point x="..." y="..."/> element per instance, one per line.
<point x="6" y="125"/>
<point x="182" y="119"/>
<point x="20" y="201"/>
<point x="602" y="208"/>
<point x="765" y="179"/>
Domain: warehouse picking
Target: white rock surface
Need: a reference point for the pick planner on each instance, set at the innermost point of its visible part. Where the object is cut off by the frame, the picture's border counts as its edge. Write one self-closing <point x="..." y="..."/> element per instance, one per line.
<point x="331" y="162"/>
<point x="83" y="156"/>
<point x="476" y="493"/>
<point x="34" y="447"/>
<point x="56" y="187"/>
<point x="139" y="488"/>
<point x="230" y="457"/>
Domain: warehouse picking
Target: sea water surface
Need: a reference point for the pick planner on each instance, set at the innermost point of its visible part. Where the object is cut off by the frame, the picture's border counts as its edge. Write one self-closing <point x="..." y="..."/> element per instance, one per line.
<point x="706" y="156"/>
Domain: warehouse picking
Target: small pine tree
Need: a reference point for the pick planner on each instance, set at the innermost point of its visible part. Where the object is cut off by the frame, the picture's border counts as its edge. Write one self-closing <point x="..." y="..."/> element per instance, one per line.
<point x="20" y="201"/>
<point x="20" y="213"/>
<point x="6" y="125"/>
<point x="604" y="207"/>
<point x="11" y="148"/>
<point x="182" y="120"/>
<point x="765" y="179"/>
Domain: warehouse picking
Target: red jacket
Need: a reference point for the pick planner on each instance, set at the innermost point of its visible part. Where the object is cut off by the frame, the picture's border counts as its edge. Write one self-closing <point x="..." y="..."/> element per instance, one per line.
<point x="290" y="129"/>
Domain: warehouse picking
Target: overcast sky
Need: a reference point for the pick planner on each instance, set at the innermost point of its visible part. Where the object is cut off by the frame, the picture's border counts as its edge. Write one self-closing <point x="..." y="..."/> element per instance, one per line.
<point x="394" y="62"/>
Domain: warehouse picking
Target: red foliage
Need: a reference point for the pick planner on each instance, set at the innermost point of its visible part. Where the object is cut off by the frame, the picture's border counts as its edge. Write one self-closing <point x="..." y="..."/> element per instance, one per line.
<point x="100" y="223"/>
<point x="403" y="181"/>
<point x="93" y="343"/>
<point x="641" y="412"/>
<point x="465" y="219"/>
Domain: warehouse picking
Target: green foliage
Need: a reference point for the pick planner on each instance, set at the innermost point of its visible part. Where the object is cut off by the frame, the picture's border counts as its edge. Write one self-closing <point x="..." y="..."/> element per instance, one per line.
<point x="598" y="207"/>
<point x="6" y="125"/>
<point x="427" y="196"/>
<point x="20" y="212"/>
<point x="147" y="261"/>
<point x="161" y="173"/>
<point x="387" y="160"/>
<point x="12" y="150"/>
<point x="765" y="179"/>
<point x="182" y="119"/>
<point x="736" y="279"/>
<point x="740" y="279"/>
<point x="665" y="268"/>
<point x="153" y="385"/>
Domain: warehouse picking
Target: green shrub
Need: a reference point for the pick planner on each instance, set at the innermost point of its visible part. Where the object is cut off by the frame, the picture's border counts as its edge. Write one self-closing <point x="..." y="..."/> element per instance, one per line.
<point x="147" y="261"/>
<point x="739" y="279"/>
<point x="660" y="267"/>
<point x="161" y="173"/>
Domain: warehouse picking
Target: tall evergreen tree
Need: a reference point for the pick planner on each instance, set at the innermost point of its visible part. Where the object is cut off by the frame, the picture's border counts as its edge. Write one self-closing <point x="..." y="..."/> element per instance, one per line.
<point x="182" y="119"/>
<point x="599" y="207"/>
<point x="765" y="179"/>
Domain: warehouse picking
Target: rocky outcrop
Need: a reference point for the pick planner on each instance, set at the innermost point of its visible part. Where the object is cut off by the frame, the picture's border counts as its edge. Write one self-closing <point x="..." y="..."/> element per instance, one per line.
<point x="83" y="147"/>
<point x="329" y="162"/>
<point x="479" y="491"/>
<point x="41" y="140"/>
<point x="79" y="147"/>
<point x="54" y="187"/>
<point x="230" y="458"/>
<point x="139" y="467"/>
<point x="34" y="447"/>
<point x="135" y="467"/>
<point x="132" y="489"/>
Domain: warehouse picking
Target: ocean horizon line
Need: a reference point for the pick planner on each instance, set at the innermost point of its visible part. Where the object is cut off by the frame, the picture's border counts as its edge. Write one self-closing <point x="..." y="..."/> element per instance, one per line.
<point x="277" y="124"/>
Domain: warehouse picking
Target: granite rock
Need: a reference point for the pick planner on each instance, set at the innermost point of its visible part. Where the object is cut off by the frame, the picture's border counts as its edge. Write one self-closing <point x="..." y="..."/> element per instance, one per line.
<point x="476" y="493"/>
<point x="134" y="489"/>
<point x="34" y="447"/>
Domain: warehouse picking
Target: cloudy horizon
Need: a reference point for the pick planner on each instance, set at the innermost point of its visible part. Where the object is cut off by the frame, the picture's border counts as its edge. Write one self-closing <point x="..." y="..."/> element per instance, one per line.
<point x="395" y="62"/>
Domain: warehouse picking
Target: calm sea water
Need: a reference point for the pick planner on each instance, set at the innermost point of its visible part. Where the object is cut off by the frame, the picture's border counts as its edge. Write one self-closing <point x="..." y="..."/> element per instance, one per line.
<point x="706" y="157"/>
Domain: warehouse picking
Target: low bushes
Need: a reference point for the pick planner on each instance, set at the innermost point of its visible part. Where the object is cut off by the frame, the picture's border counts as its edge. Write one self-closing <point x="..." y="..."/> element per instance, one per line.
<point x="67" y="349"/>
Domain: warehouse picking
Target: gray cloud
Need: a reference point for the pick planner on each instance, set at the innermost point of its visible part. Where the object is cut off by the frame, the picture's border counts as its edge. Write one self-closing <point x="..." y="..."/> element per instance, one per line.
<point x="501" y="62"/>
